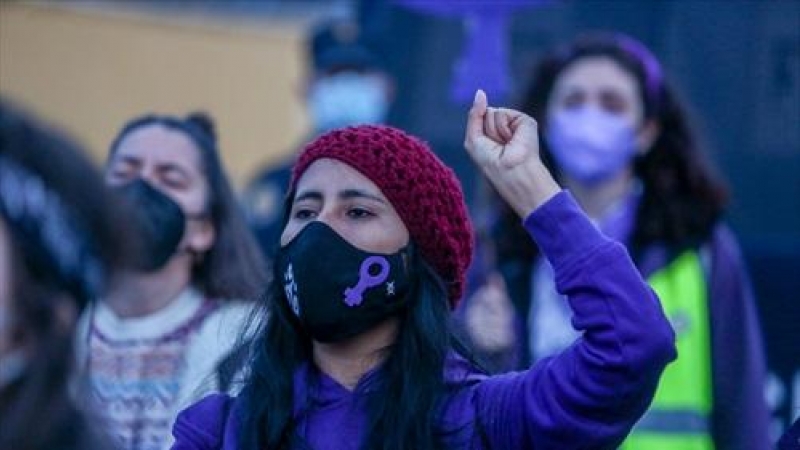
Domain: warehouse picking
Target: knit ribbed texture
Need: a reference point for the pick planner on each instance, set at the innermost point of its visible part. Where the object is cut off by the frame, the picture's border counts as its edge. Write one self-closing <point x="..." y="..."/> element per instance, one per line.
<point x="424" y="192"/>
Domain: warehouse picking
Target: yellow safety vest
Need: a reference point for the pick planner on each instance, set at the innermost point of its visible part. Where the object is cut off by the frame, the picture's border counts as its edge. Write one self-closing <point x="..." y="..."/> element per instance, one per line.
<point x="680" y="416"/>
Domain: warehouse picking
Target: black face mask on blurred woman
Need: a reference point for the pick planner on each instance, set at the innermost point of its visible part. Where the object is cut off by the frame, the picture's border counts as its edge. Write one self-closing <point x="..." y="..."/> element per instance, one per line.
<point x="157" y="220"/>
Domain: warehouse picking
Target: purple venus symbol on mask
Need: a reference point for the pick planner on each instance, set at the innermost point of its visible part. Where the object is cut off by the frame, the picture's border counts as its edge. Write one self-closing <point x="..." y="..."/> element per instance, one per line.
<point x="353" y="296"/>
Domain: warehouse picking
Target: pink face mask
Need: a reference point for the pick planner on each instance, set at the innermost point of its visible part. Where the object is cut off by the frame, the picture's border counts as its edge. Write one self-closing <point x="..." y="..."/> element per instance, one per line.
<point x="590" y="145"/>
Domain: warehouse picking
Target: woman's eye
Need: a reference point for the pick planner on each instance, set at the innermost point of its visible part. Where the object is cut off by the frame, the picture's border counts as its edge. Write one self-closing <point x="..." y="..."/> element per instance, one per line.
<point x="614" y="108"/>
<point x="573" y="100"/>
<point x="121" y="174"/>
<point x="613" y="103"/>
<point x="303" y="214"/>
<point x="359" y="213"/>
<point x="173" y="179"/>
<point x="174" y="183"/>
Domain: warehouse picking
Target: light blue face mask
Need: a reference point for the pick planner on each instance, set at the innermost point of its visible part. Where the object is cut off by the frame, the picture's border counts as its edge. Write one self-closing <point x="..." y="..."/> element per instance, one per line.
<point x="590" y="145"/>
<point x="347" y="99"/>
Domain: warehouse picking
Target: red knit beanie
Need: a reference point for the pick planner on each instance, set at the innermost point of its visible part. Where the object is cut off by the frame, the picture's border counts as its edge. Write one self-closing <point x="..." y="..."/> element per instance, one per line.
<point x="424" y="192"/>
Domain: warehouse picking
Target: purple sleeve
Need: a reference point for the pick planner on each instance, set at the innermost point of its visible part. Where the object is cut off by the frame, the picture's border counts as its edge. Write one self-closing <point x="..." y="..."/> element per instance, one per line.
<point x="203" y="425"/>
<point x="741" y="416"/>
<point x="590" y="395"/>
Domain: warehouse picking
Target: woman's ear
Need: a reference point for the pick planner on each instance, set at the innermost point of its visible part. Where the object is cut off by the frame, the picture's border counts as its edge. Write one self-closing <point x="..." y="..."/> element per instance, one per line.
<point x="647" y="136"/>
<point x="201" y="236"/>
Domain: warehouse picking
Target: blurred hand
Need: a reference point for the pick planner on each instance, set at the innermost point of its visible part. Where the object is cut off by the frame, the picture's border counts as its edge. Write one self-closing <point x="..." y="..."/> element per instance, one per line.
<point x="489" y="317"/>
<point x="504" y="144"/>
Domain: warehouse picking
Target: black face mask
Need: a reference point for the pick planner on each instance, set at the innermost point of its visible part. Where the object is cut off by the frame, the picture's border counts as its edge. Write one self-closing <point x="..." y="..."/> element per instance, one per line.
<point x="338" y="291"/>
<point x="158" y="221"/>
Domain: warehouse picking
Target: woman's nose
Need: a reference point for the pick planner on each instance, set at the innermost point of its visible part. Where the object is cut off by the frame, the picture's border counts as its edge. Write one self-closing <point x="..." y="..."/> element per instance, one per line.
<point x="326" y="216"/>
<point x="147" y="173"/>
<point x="334" y="217"/>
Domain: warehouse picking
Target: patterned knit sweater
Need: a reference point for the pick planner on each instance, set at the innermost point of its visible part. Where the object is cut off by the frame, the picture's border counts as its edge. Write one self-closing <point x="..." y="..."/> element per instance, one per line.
<point x="141" y="371"/>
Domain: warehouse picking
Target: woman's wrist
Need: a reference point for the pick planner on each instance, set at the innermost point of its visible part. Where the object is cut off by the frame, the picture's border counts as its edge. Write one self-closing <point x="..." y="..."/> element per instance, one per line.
<point x="534" y="189"/>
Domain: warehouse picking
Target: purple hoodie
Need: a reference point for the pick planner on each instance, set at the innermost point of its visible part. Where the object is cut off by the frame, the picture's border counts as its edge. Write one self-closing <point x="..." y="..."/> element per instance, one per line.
<point x="588" y="396"/>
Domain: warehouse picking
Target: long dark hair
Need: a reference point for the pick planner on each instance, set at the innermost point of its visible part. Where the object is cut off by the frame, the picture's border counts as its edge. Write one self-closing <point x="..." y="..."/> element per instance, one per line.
<point x="682" y="197"/>
<point x="402" y="411"/>
<point x="52" y="277"/>
<point x="233" y="268"/>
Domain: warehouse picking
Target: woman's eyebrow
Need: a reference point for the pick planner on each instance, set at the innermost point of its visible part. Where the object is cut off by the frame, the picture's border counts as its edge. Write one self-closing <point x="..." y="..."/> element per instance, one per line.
<point x="128" y="159"/>
<point x="307" y="195"/>
<point x="357" y="193"/>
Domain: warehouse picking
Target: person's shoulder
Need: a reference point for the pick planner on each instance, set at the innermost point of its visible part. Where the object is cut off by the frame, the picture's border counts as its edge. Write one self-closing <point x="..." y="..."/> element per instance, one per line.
<point x="223" y="331"/>
<point x="723" y="235"/>
<point x="227" y="315"/>
<point x="202" y="425"/>
<point x="230" y="322"/>
<point x="723" y="247"/>
<point x="211" y="408"/>
<point x="460" y="372"/>
<point x="233" y="310"/>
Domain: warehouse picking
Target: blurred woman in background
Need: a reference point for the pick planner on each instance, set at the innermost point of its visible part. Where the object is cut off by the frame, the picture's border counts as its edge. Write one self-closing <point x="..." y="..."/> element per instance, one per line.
<point x="618" y="139"/>
<point x="156" y="340"/>
<point x="57" y="242"/>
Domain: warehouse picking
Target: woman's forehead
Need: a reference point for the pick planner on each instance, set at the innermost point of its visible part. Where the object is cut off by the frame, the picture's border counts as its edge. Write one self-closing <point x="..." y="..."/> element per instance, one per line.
<point x="159" y="144"/>
<point x="597" y="73"/>
<point x="327" y="174"/>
